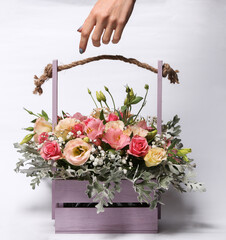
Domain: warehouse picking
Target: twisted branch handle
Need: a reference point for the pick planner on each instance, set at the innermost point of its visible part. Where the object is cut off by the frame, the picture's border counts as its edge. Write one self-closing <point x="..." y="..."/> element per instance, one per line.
<point x="166" y="71"/>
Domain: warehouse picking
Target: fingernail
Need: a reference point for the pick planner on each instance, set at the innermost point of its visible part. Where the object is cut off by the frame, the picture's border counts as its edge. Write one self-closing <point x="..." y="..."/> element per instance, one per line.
<point x="81" y="50"/>
<point x="79" y="29"/>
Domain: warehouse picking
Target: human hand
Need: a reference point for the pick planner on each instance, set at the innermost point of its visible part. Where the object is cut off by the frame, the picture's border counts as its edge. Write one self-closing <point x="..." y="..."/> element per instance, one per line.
<point x="107" y="16"/>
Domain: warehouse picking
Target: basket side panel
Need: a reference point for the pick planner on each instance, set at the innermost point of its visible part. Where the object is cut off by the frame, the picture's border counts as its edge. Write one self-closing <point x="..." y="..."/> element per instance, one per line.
<point x="113" y="220"/>
<point x="74" y="191"/>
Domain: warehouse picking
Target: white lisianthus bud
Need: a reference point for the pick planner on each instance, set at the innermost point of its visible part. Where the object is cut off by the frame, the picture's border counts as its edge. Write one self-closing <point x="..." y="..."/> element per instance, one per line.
<point x="124" y="171"/>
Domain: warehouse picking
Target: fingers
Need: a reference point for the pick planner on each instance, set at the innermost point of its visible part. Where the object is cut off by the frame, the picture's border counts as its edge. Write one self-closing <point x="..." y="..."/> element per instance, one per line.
<point x="118" y="33"/>
<point x="85" y="30"/>
<point x="107" y="34"/>
<point x="98" y="31"/>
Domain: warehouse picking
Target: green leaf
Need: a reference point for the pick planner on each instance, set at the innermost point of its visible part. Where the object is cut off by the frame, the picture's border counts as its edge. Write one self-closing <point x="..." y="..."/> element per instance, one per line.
<point x="123" y="108"/>
<point x="129" y="119"/>
<point x="151" y="135"/>
<point x="44" y="114"/>
<point x="30" y="112"/>
<point x="29" y="129"/>
<point x="34" y="120"/>
<point x="174" y="142"/>
<point x="119" y="115"/>
<point x="137" y="100"/>
<point x="27" y="138"/>
<point x="63" y="114"/>
<point x="102" y="115"/>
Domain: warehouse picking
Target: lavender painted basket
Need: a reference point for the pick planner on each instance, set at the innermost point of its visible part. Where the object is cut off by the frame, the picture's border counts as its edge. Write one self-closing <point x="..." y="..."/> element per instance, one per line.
<point x="113" y="220"/>
<point x="66" y="194"/>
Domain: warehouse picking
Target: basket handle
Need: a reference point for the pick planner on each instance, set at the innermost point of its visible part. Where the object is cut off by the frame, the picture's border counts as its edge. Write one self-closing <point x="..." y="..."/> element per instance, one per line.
<point x="167" y="71"/>
<point x="55" y="95"/>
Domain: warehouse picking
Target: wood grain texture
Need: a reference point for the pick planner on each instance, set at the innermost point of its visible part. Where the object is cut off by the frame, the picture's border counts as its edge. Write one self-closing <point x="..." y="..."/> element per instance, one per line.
<point x="86" y="220"/>
<point x="113" y="220"/>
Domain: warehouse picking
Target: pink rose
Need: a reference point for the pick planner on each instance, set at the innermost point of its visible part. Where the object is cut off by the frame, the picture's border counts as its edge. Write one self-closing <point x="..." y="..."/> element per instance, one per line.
<point x="79" y="116"/>
<point x="138" y="146"/>
<point x="116" y="139"/>
<point x="112" y="117"/>
<point x="78" y="130"/>
<point x="94" y="128"/>
<point x="43" y="137"/>
<point x="50" y="151"/>
<point x="77" y="152"/>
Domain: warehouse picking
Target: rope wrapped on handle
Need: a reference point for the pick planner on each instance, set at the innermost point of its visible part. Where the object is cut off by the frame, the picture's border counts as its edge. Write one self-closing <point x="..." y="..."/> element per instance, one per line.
<point x="167" y="71"/>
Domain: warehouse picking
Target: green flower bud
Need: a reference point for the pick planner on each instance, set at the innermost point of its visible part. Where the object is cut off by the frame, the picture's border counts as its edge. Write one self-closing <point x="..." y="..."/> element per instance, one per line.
<point x="146" y="86"/>
<point x="27" y="138"/>
<point x="89" y="91"/>
<point x="131" y="93"/>
<point x="102" y="96"/>
<point x="126" y="101"/>
<point x="127" y="89"/>
<point x="184" y="151"/>
<point x="98" y="96"/>
<point x="106" y="89"/>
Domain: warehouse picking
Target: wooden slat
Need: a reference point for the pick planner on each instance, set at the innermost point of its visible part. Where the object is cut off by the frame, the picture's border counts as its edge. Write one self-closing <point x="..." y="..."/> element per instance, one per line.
<point x="113" y="220"/>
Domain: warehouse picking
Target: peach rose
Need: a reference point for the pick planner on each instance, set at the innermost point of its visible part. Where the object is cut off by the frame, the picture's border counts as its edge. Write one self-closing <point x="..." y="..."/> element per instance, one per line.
<point x="155" y="156"/>
<point x="115" y="125"/>
<point x="64" y="127"/>
<point x="40" y="126"/>
<point x="77" y="152"/>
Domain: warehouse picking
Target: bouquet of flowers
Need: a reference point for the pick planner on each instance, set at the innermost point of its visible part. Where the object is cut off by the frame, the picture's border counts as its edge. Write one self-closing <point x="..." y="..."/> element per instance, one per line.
<point x="105" y="148"/>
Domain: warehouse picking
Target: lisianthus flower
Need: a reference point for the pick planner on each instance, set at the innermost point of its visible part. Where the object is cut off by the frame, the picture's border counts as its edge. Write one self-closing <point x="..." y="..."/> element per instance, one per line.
<point x="112" y="117"/>
<point x="116" y="139"/>
<point x="136" y="130"/>
<point x="155" y="156"/>
<point x="138" y="146"/>
<point x="143" y="124"/>
<point x="96" y="112"/>
<point x="114" y="124"/>
<point x="64" y="127"/>
<point x="40" y="126"/>
<point x="79" y="116"/>
<point x="77" y="152"/>
<point x="50" y="150"/>
<point x="94" y="128"/>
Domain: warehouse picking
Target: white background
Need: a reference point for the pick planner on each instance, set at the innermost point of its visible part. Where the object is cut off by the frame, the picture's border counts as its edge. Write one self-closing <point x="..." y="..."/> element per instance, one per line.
<point x="189" y="35"/>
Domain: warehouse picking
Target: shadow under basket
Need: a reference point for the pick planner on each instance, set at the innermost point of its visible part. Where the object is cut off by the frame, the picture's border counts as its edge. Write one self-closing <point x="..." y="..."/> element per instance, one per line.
<point x="74" y="212"/>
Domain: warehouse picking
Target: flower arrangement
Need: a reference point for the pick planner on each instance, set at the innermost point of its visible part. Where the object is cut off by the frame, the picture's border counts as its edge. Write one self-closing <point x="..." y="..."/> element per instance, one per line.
<point x="106" y="147"/>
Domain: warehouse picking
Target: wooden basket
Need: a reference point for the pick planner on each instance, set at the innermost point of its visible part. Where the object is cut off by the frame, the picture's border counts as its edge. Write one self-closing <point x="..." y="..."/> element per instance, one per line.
<point x="122" y="218"/>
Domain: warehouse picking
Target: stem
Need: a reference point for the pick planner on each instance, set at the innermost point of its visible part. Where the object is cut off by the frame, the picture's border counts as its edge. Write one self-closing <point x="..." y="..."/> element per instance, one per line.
<point x="143" y="104"/>
<point x="106" y="105"/>
<point x="93" y="100"/>
<point x="112" y="100"/>
<point x="101" y="104"/>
